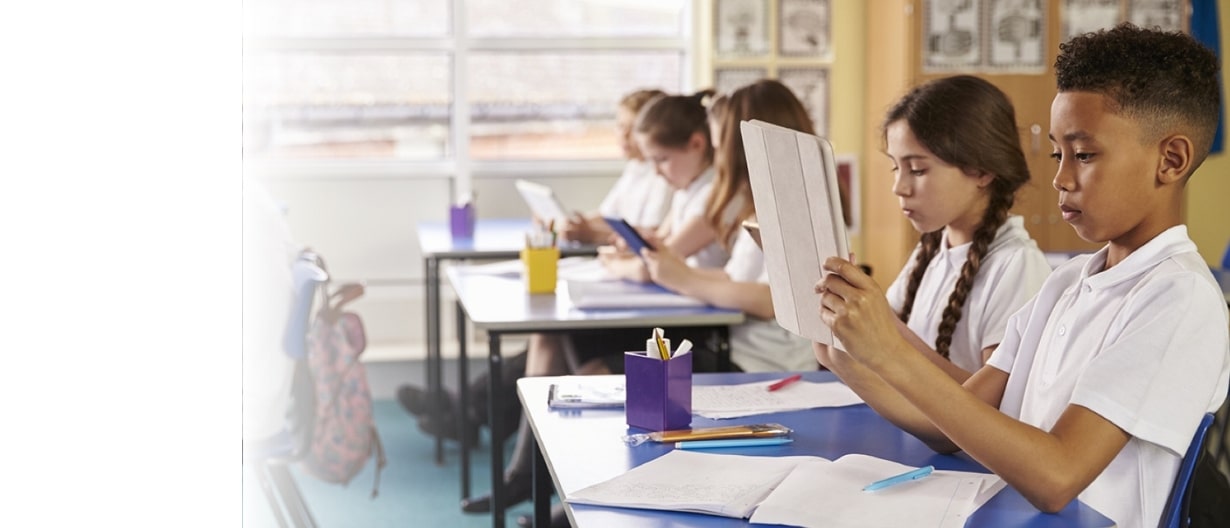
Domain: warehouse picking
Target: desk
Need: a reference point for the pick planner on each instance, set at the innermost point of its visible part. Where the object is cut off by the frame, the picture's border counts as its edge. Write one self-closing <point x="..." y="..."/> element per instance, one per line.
<point x="493" y="239"/>
<point x="583" y="447"/>
<point x="500" y="305"/>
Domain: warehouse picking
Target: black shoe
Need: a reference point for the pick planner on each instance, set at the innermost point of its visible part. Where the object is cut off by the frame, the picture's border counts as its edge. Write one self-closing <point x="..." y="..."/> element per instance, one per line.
<point x="446" y="427"/>
<point x="517" y="490"/>
<point x="414" y="400"/>
<point x="559" y="519"/>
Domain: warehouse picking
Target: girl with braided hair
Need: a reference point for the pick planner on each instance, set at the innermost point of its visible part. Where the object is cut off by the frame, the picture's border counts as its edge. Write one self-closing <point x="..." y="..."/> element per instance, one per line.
<point x="958" y="164"/>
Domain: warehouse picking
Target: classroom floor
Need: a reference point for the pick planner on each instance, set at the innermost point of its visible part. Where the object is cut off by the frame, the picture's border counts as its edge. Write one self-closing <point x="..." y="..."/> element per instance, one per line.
<point x="414" y="491"/>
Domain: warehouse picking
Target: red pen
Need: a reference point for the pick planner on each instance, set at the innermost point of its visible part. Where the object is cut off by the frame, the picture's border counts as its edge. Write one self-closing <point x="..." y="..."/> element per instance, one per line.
<point x="779" y="384"/>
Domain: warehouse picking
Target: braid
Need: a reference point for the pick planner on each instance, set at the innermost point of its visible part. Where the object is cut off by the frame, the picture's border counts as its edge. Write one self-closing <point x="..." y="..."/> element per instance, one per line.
<point x="930" y="245"/>
<point x="995" y="216"/>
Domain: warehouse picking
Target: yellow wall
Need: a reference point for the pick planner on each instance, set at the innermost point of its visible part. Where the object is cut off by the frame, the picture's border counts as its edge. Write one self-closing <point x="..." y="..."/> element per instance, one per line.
<point x="1208" y="193"/>
<point x="847" y="86"/>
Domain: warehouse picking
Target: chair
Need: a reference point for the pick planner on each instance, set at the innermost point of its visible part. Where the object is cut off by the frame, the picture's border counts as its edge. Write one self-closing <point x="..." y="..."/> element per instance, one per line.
<point x="1176" y="514"/>
<point x="271" y="458"/>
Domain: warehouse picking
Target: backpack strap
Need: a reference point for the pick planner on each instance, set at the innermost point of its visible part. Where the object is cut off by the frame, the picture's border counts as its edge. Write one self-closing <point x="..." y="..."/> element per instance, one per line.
<point x="381" y="461"/>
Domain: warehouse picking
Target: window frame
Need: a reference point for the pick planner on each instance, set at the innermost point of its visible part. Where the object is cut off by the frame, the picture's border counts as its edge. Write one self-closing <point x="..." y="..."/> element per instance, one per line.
<point x="459" y="44"/>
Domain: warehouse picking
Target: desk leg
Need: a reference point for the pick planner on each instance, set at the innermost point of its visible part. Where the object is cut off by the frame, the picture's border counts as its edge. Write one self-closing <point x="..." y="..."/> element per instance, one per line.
<point x="463" y="400"/>
<point x="542" y="488"/>
<point x="434" y="370"/>
<point x="723" y="348"/>
<point x="497" y="451"/>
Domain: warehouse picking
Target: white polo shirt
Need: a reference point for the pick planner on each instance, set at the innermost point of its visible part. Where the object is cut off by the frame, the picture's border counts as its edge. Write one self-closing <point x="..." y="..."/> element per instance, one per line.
<point x="1012" y="272"/>
<point x="689" y="203"/>
<point x="639" y="196"/>
<point x="1144" y="344"/>
<point x="760" y="345"/>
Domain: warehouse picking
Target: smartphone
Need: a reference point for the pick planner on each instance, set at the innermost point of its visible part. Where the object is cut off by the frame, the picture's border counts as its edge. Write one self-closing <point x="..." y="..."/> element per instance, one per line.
<point x="634" y="239"/>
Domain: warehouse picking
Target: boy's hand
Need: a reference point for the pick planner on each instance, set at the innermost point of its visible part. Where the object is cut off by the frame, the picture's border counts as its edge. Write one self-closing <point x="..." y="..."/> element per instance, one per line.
<point x="854" y="306"/>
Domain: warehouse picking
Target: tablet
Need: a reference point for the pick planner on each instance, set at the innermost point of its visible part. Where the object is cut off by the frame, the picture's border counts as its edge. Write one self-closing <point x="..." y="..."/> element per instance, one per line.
<point x="634" y="240"/>
<point x="542" y="201"/>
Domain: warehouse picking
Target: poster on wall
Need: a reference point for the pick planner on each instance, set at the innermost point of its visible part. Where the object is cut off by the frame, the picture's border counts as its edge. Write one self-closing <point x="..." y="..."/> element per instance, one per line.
<point x="1017" y="35"/>
<point x="951" y="36"/>
<point x="803" y="28"/>
<point x="1085" y="16"/>
<point x="741" y="27"/>
<point x="1167" y="15"/>
<point x="811" y="86"/>
<point x="726" y="80"/>
<point x="847" y="182"/>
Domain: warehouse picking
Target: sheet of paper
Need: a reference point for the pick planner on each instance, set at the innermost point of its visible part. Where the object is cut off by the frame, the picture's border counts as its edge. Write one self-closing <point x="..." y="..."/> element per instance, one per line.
<point x="624" y="294"/>
<point x="732" y="401"/>
<point x="830" y="494"/>
<point x="583" y="269"/>
<point x="725" y="485"/>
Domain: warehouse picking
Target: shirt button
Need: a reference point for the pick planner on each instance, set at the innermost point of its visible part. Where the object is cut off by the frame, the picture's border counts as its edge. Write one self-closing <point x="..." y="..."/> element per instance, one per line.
<point x="1063" y="330"/>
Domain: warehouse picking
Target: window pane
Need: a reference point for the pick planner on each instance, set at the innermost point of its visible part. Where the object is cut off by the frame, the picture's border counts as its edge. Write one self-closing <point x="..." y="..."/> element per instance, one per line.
<point x="347" y="105"/>
<point x="558" y="105"/>
<point x="574" y="18"/>
<point x="347" y="18"/>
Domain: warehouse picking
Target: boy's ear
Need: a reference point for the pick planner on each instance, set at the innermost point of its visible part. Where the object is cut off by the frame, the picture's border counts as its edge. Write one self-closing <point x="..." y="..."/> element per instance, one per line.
<point x="1176" y="158"/>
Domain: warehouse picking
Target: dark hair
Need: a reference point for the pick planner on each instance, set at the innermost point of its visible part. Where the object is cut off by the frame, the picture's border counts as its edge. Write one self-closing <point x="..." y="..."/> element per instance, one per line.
<point x="1165" y="81"/>
<point x="767" y="100"/>
<point x="670" y="120"/>
<point x="969" y="123"/>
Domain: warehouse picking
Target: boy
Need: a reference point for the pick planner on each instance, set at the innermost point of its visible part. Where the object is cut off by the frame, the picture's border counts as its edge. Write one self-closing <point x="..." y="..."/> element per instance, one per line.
<point x="1100" y="381"/>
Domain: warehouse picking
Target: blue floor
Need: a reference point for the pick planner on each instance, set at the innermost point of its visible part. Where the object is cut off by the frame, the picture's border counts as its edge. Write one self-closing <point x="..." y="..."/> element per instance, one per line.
<point x="414" y="491"/>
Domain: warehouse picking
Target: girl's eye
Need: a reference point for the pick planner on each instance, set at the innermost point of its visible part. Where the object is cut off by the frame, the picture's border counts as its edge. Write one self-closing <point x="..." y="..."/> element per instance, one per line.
<point x="1057" y="156"/>
<point x="1083" y="157"/>
<point x="917" y="172"/>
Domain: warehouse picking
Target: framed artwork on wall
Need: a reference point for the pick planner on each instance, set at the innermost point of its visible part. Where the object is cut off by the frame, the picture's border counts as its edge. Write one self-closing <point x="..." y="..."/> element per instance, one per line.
<point x="726" y="80"/>
<point x="1017" y="35"/>
<point x="741" y="27"/>
<point x="847" y="182"/>
<point x="811" y="86"/>
<point x="1083" y="16"/>
<point x="1169" y="15"/>
<point x="803" y="28"/>
<point x="951" y="35"/>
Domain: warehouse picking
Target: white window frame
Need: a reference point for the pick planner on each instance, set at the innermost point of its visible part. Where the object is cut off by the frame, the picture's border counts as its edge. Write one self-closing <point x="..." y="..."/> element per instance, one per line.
<point x="459" y="44"/>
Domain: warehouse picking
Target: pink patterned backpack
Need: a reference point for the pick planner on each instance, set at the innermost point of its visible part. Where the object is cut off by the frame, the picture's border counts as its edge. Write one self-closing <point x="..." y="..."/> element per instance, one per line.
<point x="344" y="433"/>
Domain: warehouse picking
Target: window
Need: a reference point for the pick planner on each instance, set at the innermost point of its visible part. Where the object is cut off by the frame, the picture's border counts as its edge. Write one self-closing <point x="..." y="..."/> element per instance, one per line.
<point x="425" y="80"/>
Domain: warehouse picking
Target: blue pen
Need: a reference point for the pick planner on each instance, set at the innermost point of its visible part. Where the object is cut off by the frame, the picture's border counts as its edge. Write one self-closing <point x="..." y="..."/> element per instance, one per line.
<point x="734" y="442"/>
<point x="914" y="474"/>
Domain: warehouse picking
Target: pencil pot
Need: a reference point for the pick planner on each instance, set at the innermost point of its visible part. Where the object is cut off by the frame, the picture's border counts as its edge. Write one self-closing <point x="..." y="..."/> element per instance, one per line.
<point x="540" y="267"/>
<point x="658" y="394"/>
<point x="461" y="221"/>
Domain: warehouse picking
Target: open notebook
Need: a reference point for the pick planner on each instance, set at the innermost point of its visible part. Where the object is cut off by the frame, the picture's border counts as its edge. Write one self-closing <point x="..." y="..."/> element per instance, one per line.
<point x="798" y="209"/>
<point x="795" y="491"/>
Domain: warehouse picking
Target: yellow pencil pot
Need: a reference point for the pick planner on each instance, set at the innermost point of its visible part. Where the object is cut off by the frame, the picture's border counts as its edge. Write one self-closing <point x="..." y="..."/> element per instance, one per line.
<point x="540" y="269"/>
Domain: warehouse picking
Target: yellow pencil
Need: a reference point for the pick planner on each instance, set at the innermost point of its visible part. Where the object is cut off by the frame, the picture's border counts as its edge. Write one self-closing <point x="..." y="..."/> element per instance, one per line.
<point x="657" y="337"/>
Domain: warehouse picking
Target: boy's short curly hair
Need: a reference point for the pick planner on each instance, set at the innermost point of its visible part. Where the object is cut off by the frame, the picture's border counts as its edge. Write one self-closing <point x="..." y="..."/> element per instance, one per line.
<point x="1166" y="81"/>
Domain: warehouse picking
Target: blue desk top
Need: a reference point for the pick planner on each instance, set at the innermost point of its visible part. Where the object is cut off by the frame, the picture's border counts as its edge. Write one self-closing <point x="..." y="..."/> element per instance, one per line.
<point x="493" y="238"/>
<point x="584" y="447"/>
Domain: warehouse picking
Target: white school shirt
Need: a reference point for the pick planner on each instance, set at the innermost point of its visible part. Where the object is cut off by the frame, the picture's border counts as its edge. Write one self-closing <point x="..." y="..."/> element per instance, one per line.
<point x="1143" y="344"/>
<point x="689" y="203"/>
<point x="760" y="345"/>
<point x="639" y="196"/>
<point x="1012" y="271"/>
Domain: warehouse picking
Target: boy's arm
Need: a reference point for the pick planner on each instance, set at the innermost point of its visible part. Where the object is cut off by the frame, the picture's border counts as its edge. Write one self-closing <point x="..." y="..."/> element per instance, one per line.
<point x="1048" y="468"/>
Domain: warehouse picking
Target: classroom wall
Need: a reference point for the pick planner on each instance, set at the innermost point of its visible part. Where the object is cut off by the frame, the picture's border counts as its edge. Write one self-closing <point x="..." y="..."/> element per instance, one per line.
<point x="1208" y="214"/>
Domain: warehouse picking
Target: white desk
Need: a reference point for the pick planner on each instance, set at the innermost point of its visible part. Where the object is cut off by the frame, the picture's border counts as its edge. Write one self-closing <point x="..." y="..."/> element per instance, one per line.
<point x="582" y="447"/>
<point x="493" y="239"/>
<point x="500" y="305"/>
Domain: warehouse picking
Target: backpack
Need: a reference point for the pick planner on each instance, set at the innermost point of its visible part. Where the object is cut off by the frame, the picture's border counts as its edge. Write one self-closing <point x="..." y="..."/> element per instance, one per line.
<point x="343" y="432"/>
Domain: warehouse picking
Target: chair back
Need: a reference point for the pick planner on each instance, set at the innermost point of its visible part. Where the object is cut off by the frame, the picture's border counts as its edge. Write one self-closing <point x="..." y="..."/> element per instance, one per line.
<point x="1178" y="504"/>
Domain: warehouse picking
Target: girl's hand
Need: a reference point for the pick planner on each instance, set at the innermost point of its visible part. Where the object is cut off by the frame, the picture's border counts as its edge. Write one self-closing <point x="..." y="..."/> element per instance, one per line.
<point x="665" y="267"/>
<point x="854" y="306"/>
<point x="577" y="228"/>
<point x="622" y="264"/>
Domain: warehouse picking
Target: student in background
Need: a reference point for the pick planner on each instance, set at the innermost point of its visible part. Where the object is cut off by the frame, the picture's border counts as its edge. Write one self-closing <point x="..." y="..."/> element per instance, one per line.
<point x="1101" y="379"/>
<point x="956" y="177"/>
<point x="639" y="195"/>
